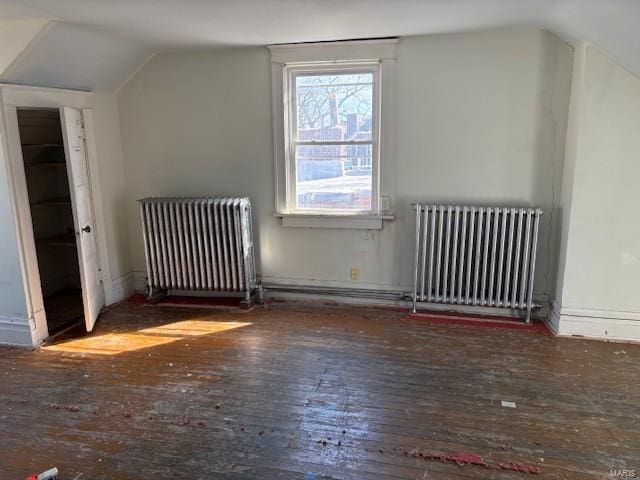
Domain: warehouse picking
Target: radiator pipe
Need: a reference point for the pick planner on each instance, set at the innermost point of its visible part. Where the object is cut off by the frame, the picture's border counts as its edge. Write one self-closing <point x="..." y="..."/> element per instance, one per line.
<point x="339" y="292"/>
<point x="393" y="295"/>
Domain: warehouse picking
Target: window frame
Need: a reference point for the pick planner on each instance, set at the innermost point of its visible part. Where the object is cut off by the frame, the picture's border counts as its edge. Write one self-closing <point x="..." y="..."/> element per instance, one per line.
<point x="291" y="72"/>
<point x="335" y="53"/>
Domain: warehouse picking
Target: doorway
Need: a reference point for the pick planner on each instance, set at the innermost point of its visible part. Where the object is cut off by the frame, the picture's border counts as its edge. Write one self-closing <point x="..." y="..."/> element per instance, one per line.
<point x="52" y="216"/>
<point x="60" y="203"/>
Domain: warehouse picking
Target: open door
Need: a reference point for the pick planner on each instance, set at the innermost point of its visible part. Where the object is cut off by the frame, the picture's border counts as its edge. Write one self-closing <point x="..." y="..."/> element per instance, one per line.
<point x="80" y="186"/>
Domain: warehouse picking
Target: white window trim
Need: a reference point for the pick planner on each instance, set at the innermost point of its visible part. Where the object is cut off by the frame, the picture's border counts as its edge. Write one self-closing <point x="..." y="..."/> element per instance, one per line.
<point x="287" y="58"/>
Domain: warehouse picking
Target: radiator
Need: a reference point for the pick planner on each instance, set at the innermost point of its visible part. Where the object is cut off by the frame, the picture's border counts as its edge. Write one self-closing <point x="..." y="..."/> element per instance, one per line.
<point x="201" y="244"/>
<point x="469" y="255"/>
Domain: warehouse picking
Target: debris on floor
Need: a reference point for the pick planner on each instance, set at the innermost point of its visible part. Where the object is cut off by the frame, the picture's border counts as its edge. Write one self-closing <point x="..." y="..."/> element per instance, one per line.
<point x="51" y="474"/>
<point x="460" y="458"/>
<point x="507" y="404"/>
<point x="469" y="458"/>
<point x="68" y="408"/>
<point x="520" y="467"/>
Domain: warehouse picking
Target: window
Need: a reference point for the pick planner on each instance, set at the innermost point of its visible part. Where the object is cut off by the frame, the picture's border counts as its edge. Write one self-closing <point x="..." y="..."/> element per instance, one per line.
<point x="333" y="132"/>
<point x="332" y="123"/>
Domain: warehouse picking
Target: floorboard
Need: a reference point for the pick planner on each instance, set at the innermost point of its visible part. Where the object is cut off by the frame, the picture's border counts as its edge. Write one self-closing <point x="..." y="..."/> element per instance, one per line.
<point x="294" y="391"/>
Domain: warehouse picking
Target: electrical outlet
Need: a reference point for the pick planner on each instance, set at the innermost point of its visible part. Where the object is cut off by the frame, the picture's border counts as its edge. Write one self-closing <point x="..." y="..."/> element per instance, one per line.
<point x="355" y="274"/>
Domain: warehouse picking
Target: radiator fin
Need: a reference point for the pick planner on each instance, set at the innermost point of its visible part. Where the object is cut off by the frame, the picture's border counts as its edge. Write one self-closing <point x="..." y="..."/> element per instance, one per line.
<point x="481" y="256"/>
<point x="203" y="244"/>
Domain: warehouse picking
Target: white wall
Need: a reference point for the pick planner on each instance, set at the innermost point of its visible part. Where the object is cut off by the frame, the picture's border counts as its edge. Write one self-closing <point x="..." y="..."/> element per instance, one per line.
<point x="480" y="118"/>
<point x="13" y="303"/>
<point x="15" y="36"/>
<point x="112" y="199"/>
<point x="600" y="255"/>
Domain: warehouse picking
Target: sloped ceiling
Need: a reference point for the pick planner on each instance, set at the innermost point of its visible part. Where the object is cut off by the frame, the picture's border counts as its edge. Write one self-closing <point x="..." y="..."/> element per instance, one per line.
<point x="97" y="43"/>
<point x="15" y="35"/>
<point x="77" y="57"/>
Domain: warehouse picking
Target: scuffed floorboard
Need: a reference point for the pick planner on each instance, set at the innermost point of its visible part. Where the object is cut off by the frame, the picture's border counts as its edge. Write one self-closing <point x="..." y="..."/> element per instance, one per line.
<point x="310" y="392"/>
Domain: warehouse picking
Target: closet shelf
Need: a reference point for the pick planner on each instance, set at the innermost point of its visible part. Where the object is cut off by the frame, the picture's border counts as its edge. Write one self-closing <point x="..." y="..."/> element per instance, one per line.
<point x="46" y="164"/>
<point x="52" y="202"/>
<point x="65" y="240"/>
<point x="42" y="145"/>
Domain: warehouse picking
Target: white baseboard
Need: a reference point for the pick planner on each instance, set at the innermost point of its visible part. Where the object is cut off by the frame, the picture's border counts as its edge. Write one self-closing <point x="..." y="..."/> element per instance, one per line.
<point x="335" y="299"/>
<point x="140" y="281"/>
<point x="15" y="331"/>
<point x="609" y="325"/>
<point x="122" y="287"/>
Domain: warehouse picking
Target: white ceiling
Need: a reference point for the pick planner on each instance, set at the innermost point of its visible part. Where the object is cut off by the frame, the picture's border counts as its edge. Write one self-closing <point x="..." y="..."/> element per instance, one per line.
<point x="137" y="27"/>
<point x="69" y="55"/>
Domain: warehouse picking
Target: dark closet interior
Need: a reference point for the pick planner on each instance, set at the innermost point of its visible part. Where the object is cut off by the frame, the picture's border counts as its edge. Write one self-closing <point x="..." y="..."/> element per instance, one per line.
<point x="52" y="216"/>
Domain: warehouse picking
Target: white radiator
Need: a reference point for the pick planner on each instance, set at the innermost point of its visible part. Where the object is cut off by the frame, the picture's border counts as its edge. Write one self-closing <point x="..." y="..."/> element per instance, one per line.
<point x="469" y="255"/>
<point x="203" y="244"/>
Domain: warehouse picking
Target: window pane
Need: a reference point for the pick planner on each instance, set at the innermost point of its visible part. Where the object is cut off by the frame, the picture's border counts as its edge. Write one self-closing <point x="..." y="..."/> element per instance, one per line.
<point x="334" y="176"/>
<point x="334" y="107"/>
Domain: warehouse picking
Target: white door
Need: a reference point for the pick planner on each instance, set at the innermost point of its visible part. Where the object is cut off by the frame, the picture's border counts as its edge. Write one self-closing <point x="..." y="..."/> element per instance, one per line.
<point x="80" y="186"/>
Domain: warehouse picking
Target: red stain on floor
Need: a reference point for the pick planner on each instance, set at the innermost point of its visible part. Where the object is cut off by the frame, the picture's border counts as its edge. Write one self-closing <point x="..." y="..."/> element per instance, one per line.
<point x="470" y="458"/>
<point x="460" y="458"/>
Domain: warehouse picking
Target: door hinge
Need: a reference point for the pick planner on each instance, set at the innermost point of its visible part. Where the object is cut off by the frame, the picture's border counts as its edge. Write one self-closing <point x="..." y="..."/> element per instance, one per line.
<point x="81" y="132"/>
<point x="100" y="275"/>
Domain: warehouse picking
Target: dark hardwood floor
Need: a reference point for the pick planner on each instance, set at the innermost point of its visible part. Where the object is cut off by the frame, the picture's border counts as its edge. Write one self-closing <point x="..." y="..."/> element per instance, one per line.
<point x="307" y="392"/>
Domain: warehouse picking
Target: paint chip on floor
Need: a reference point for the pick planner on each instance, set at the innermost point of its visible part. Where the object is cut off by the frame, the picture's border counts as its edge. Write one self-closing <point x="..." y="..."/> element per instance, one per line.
<point x="508" y="404"/>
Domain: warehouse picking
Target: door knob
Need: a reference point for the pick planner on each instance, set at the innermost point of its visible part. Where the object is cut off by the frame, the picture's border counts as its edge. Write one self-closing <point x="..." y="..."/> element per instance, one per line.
<point x="87" y="229"/>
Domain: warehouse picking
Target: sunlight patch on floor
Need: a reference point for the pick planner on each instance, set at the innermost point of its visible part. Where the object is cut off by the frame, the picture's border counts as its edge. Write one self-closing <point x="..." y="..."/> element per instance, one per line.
<point x="111" y="344"/>
<point x="193" y="328"/>
<point x="115" y="343"/>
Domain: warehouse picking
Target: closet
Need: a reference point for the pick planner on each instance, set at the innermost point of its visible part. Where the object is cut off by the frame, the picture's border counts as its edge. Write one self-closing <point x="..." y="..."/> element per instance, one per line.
<point x="47" y="179"/>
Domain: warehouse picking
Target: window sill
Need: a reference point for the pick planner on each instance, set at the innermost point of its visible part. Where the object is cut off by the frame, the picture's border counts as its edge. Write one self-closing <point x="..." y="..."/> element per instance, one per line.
<point x="354" y="222"/>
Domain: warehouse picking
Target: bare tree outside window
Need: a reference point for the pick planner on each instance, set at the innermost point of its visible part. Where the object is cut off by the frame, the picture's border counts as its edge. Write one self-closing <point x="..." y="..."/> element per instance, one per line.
<point x="334" y="140"/>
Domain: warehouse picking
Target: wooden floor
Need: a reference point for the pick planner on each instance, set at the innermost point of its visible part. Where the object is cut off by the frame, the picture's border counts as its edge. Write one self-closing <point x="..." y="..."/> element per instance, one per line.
<point x="308" y="392"/>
